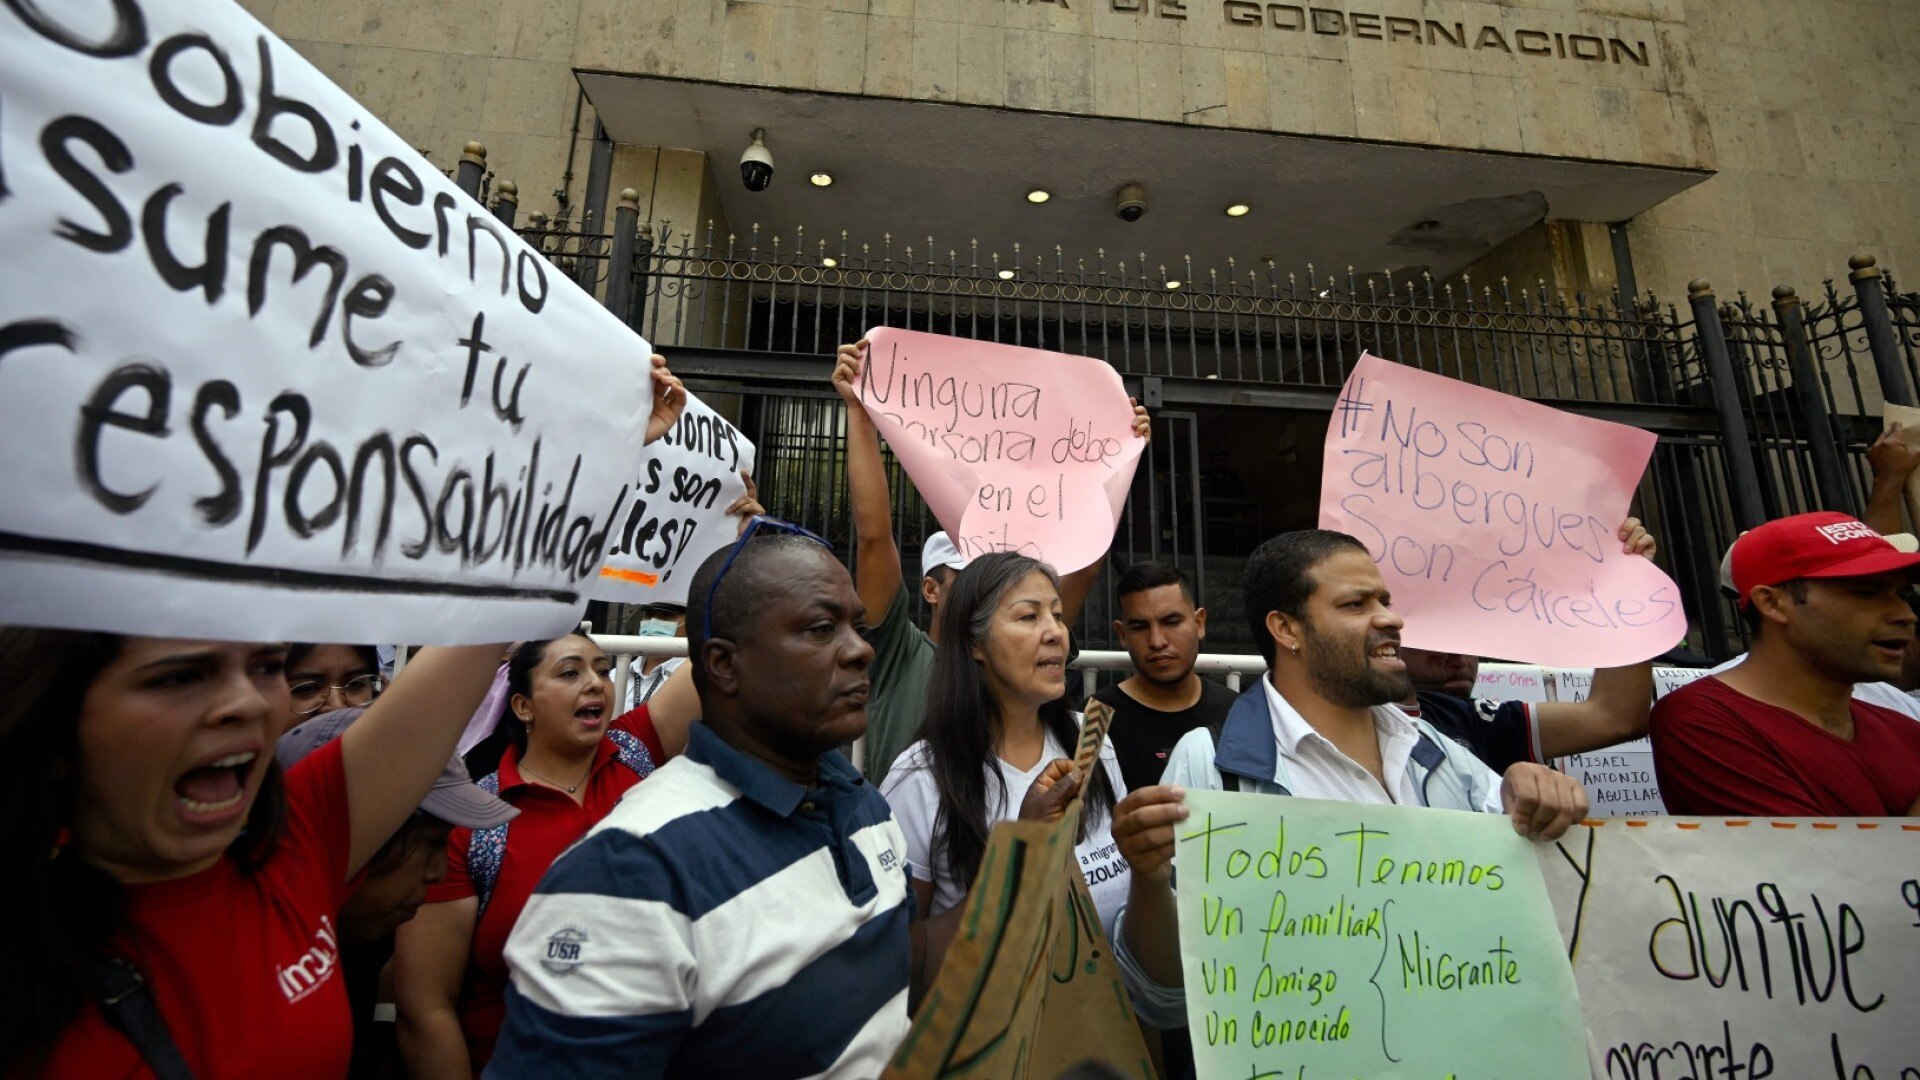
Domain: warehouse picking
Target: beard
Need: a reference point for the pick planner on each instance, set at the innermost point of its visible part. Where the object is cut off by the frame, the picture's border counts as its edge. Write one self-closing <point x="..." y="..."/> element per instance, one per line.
<point x="1343" y="674"/>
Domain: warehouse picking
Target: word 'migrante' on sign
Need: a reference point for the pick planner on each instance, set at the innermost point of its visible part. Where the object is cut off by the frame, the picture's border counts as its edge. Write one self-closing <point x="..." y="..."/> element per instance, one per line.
<point x="1014" y="449"/>
<point x="260" y="360"/>
<point x="682" y="489"/>
<point x="1325" y="939"/>
<point x="1495" y="520"/>
<point x="1736" y="948"/>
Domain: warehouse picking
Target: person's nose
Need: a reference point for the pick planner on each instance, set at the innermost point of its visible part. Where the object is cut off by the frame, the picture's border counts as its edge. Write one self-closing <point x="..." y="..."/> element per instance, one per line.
<point x="1389" y="620"/>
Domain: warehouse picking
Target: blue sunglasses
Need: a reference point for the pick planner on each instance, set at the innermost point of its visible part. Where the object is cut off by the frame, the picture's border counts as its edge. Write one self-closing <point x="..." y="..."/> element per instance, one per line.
<point x="755" y="524"/>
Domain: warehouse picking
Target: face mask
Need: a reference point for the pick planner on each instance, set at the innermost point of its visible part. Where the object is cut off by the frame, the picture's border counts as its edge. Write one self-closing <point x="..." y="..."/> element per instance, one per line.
<point x="656" y="628"/>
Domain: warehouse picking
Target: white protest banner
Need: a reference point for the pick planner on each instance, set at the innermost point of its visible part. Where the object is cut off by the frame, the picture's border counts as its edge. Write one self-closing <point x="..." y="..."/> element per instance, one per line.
<point x="1013" y="449"/>
<point x="1495" y="520"/>
<point x="1668" y="679"/>
<point x="1510" y="682"/>
<point x="1620" y="780"/>
<point x="1738" y="949"/>
<point x="264" y="371"/>
<point x="681" y="491"/>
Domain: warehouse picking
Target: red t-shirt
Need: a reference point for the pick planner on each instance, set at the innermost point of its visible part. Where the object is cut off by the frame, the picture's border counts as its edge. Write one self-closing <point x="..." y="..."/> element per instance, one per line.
<point x="549" y="821"/>
<point x="243" y="966"/>
<point x="1718" y="751"/>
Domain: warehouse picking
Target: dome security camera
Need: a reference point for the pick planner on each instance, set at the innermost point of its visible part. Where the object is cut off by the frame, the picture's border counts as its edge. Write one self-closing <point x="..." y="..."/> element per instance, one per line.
<point x="1130" y="203"/>
<point x="756" y="165"/>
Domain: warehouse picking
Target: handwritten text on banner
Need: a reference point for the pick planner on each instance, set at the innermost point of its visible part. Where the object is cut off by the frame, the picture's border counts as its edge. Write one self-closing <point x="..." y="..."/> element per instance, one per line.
<point x="1013" y="449"/>
<point x="1495" y="520"/>
<point x="1744" y="949"/>
<point x="264" y="370"/>
<point x="678" y="517"/>
<point x="1328" y="940"/>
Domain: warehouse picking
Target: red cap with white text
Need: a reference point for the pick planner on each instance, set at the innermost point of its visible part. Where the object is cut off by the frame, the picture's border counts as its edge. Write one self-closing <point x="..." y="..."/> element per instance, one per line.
<point x="1818" y="545"/>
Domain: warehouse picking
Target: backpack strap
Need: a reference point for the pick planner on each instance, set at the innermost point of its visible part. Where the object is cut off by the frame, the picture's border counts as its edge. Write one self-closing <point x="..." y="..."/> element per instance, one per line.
<point x="486" y="848"/>
<point x="126" y="1002"/>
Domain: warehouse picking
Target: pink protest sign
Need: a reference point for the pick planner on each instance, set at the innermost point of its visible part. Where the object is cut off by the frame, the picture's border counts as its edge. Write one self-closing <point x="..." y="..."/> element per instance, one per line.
<point x="1495" y="520"/>
<point x="1014" y="449"/>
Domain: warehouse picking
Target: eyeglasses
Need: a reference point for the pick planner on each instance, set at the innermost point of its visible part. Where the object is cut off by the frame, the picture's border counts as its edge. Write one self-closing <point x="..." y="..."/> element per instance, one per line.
<point x="310" y="697"/>
<point x="754" y="524"/>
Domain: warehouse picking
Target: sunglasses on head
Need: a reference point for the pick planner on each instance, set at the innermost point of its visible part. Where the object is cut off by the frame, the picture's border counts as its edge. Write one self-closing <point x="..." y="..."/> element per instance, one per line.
<point x="756" y="524"/>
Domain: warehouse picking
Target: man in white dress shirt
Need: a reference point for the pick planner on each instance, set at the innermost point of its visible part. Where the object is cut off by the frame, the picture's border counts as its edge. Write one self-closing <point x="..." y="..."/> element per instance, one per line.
<point x="1323" y="725"/>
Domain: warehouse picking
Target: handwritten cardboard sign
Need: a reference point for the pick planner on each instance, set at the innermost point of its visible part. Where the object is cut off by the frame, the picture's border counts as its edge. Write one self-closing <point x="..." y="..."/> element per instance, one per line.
<point x="265" y="372"/>
<point x="1495" y="520"/>
<point x="678" y="517"/>
<point x="1729" y="947"/>
<point x="1014" y="449"/>
<point x="1029" y="987"/>
<point x="1325" y="939"/>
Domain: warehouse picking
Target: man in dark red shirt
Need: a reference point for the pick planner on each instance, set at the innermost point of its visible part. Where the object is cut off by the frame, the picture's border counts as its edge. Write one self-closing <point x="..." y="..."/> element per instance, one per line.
<point x="1781" y="735"/>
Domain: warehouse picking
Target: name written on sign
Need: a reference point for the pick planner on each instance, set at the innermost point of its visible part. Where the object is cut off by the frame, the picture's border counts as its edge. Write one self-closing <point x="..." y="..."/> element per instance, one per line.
<point x="1404" y="468"/>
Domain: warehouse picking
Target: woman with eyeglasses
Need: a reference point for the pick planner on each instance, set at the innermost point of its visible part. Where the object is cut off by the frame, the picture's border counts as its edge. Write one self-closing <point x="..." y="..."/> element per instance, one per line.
<point x="997" y="728"/>
<point x="322" y="678"/>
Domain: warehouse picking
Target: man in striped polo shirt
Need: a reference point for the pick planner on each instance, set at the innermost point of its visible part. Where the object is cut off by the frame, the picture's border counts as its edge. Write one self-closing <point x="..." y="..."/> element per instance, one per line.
<point x="744" y="911"/>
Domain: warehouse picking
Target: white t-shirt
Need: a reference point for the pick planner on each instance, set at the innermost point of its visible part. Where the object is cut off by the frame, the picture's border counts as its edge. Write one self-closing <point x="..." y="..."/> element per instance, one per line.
<point x="1885" y="695"/>
<point x="910" y="790"/>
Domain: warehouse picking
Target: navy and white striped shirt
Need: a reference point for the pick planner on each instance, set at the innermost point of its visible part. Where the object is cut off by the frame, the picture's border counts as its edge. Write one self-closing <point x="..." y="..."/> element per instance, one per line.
<point x="723" y="921"/>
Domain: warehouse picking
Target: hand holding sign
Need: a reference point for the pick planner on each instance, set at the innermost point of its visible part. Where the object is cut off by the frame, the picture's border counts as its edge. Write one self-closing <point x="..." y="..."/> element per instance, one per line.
<point x="1497" y="522"/>
<point x="1013" y="449"/>
<point x="688" y="486"/>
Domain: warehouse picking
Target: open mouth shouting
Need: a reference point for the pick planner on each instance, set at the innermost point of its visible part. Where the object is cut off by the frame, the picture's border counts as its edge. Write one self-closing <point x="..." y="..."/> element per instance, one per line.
<point x="214" y="792"/>
<point x="592" y="715"/>
<point x="1387" y="652"/>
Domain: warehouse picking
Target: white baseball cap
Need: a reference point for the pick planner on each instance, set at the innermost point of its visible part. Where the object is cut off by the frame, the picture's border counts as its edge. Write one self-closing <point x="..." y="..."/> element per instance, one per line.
<point x="939" y="551"/>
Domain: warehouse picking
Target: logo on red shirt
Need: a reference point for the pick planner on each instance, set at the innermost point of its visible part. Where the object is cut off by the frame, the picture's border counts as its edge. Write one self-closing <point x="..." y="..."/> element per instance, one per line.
<point x="314" y="967"/>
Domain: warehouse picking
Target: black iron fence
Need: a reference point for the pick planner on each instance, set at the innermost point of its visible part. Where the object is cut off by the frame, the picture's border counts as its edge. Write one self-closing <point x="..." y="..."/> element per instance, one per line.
<point x="1761" y="409"/>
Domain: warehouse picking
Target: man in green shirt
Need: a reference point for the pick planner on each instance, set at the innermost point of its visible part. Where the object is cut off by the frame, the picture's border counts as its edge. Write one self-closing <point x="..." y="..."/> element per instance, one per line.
<point x="902" y="652"/>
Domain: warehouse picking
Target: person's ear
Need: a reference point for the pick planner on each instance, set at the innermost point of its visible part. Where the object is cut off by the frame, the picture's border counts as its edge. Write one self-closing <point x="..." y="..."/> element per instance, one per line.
<point x="721" y="658"/>
<point x="1285" y="632"/>
<point x="1771" y="602"/>
<point x="929" y="590"/>
<point x="1119" y="628"/>
<point x="1200" y="621"/>
<point x="522" y="707"/>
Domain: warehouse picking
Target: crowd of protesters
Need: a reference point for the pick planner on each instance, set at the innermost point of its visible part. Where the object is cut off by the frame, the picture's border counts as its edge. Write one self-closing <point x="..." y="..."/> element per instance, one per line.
<point x="250" y="860"/>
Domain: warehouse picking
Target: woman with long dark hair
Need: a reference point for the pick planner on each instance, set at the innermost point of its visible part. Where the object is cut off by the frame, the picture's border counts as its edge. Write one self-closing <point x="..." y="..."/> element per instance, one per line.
<point x="998" y="724"/>
<point x="180" y="894"/>
<point x="563" y="759"/>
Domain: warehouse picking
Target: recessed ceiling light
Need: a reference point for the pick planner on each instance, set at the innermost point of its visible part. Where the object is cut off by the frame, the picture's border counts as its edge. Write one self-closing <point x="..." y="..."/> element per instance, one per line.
<point x="821" y="179"/>
<point x="829" y="262"/>
<point x="1238" y="209"/>
<point x="1006" y="275"/>
<point x="1173" y="284"/>
<point x="1038" y="196"/>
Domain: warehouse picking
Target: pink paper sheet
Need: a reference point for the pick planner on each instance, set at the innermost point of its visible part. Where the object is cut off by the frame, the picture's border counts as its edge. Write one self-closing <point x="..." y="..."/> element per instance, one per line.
<point x="1014" y="449"/>
<point x="1494" y="520"/>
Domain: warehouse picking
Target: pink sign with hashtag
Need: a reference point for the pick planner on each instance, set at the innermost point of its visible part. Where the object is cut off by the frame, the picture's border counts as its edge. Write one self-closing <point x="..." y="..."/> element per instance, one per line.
<point x="1014" y="449"/>
<point x="1495" y="521"/>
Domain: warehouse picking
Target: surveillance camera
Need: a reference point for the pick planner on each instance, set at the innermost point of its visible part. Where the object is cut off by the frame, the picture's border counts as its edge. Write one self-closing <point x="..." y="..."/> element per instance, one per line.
<point x="1130" y="203"/>
<point x="756" y="165"/>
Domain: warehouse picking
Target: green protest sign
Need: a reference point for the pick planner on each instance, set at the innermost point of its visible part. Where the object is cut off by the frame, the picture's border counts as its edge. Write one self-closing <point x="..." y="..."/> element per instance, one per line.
<point x="1327" y="941"/>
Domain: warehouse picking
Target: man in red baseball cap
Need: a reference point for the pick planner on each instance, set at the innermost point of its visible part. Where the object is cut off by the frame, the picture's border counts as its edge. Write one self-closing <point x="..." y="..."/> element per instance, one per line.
<point x="1825" y="601"/>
